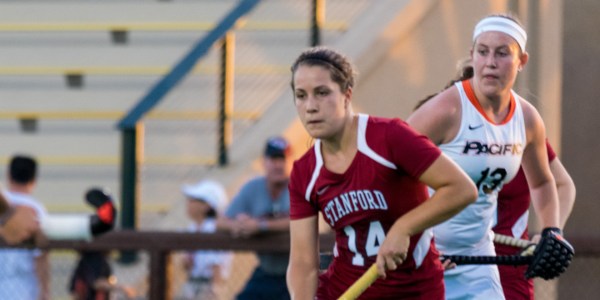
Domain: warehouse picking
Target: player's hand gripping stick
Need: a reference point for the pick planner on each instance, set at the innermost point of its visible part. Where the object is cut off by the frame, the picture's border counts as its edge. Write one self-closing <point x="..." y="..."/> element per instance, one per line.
<point x="551" y="257"/>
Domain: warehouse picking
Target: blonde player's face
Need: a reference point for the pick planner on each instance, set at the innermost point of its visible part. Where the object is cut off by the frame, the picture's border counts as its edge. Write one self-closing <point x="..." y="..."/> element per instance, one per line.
<point x="496" y="61"/>
<point x="320" y="103"/>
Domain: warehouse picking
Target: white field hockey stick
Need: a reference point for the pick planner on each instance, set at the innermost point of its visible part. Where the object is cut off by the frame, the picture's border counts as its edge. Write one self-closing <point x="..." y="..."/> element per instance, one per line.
<point x="512" y="241"/>
<point x="356" y="289"/>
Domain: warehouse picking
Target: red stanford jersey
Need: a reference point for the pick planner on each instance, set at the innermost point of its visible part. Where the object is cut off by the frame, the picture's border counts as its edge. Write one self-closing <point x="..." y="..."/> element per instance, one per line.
<point x="380" y="185"/>
<point x="513" y="208"/>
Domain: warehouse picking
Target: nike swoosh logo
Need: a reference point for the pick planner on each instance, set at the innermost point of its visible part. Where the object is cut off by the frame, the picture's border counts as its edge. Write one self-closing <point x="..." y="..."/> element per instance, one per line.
<point x="471" y="127"/>
<point x="321" y="191"/>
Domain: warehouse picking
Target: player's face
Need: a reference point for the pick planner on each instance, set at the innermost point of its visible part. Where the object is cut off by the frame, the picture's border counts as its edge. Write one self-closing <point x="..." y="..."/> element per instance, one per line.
<point x="496" y="60"/>
<point x="320" y="103"/>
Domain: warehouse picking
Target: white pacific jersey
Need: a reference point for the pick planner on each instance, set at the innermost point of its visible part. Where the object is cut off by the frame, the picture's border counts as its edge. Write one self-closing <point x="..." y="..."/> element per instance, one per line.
<point x="490" y="154"/>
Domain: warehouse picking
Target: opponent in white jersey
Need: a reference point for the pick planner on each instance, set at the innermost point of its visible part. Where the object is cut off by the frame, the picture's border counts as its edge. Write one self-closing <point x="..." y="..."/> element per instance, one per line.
<point x="491" y="155"/>
<point x="488" y="130"/>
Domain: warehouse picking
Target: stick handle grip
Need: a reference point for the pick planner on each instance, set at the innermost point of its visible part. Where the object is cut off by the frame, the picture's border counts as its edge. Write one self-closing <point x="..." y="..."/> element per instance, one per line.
<point x="356" y="289"/>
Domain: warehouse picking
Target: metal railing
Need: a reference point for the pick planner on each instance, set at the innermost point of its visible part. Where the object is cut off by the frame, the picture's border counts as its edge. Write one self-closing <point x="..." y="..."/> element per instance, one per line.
<point x="160" y="245"/>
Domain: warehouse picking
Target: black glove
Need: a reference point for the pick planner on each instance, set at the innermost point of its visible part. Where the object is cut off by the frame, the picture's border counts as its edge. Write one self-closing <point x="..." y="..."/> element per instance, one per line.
<point x="552" y="255"/>
<point x="104" y="219"/>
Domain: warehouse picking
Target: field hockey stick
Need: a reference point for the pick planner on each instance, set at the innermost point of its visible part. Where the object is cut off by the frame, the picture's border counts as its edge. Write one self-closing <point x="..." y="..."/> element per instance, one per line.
<point x="356" y="289"/>
<point x="512" y="241"/>
<point x="524" y="258"/>
<point x="510" y="260"/>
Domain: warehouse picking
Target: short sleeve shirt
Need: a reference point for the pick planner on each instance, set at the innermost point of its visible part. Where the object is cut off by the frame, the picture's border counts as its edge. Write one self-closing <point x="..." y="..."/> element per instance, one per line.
<point x="380" y="185"/>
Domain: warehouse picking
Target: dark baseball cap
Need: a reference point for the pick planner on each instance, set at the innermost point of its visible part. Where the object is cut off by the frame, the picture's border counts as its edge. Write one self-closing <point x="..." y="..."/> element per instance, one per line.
<point x="277" y="147"/>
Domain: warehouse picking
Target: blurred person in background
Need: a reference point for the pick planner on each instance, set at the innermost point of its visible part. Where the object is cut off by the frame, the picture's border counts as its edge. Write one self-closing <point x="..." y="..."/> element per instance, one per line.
<point x="24" y="273"/>
<point x="93" y="276"/>
<point x="206" y="269"/>
<point x="93" y="279"/>
<point x="263" y="205"/>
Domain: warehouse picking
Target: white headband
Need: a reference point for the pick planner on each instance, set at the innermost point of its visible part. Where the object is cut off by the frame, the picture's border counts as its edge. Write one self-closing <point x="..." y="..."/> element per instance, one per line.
<point x="503" y="25"/>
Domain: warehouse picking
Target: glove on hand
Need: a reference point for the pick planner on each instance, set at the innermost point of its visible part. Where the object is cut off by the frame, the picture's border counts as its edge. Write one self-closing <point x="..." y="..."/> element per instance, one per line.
<point x="104" y="219"/>
<point x="552" y="255"/>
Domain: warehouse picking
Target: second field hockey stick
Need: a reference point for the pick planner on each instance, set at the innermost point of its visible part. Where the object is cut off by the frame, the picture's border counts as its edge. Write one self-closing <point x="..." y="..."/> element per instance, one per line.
<point x="356" y="289"/>
<point x="512" y="241"/>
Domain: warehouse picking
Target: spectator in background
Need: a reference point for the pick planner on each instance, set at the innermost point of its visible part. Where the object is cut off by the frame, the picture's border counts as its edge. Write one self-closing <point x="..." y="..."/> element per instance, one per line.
<point x="24" y="272"/>
<point x="262" y="205"/>
<point x="93" y="278"/>
<point x="206" y="269"/>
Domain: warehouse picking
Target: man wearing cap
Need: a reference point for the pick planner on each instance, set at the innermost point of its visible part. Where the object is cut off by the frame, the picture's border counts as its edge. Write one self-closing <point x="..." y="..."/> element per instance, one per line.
<point x="206" y="268"/>
<point x="263" y="205"/>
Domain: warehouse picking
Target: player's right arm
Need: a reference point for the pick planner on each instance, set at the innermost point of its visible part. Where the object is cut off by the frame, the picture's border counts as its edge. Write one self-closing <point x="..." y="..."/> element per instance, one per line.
<point x="303" y="268"/>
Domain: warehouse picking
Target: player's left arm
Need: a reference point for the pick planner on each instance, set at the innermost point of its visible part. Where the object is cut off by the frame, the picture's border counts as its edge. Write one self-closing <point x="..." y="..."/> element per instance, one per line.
<point x="537" y="169"/>
<point x="565" y="188"/>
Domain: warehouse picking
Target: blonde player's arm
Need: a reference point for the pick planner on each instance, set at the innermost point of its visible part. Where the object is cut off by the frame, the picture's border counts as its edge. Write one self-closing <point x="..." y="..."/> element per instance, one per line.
<point x="454" y="191"/>
<point x="542" y="186"/>
<point x="565" y="188"/>
<point x="303" y="268"/>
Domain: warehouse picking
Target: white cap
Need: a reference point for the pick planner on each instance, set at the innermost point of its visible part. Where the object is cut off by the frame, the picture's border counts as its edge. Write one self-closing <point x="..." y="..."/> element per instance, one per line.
<point x="504" y="25"/>
<point x="208" y="191"/>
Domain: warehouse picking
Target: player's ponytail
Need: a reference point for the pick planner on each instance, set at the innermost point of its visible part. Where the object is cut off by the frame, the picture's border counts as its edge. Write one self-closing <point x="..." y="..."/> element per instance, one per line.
<point x="465" y="71"/>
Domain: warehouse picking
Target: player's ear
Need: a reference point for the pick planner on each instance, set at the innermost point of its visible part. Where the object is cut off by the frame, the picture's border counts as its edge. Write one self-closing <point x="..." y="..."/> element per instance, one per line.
<point x="347" y="97"/>
<point x="523" y="59"/>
